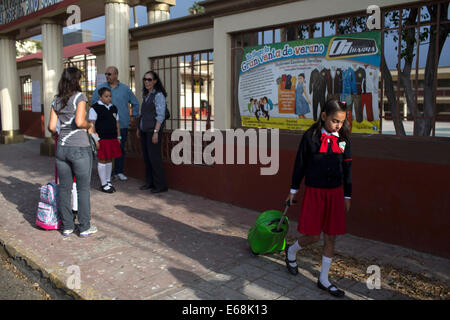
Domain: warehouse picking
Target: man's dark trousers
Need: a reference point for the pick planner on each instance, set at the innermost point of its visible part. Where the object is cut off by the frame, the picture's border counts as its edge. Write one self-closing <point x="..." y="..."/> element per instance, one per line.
<point x="119" y="163"/>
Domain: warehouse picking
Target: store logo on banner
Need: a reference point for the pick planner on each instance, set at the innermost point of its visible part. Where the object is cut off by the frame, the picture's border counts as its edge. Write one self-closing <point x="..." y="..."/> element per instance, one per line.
<point x="351" y="47"/>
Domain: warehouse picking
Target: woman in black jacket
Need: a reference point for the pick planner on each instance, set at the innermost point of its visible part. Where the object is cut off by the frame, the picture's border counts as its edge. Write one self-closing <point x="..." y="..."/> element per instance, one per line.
<point x="149" y="130"/>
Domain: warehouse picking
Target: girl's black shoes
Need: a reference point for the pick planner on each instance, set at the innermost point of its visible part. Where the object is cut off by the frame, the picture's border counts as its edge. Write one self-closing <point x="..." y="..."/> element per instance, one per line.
<point x="292" y="270"/>
<point x="107" y="189"/>
<point x="336" y="292"/>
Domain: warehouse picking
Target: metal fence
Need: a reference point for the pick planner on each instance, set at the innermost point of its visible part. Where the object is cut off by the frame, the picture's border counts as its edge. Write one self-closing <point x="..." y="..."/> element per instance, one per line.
<point x="412" y="84"/>
<point x="189" y="81"/>
<point x="26" y="93"/>
<point x="88" y="68"/>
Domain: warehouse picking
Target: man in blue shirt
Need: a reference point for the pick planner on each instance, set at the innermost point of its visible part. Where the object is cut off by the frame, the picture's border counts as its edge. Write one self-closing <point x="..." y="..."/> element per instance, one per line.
<point x="121" y="96"/>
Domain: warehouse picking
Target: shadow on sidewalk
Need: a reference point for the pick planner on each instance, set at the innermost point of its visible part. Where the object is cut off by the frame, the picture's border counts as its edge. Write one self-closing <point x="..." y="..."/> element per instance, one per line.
<point x="232" y="271"/>
<point x="26" y="156"/>
<point x="225" y="257"/>
<point x="24" y="195"/>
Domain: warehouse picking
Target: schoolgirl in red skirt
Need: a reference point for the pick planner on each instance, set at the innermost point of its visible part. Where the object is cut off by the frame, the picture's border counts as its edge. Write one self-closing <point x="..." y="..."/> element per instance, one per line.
<point x="324" y="160"/>
<point x="105" y="118"/>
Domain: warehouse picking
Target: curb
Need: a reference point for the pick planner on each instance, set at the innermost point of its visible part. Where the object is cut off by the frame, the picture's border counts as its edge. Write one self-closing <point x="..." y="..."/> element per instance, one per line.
<point x="53" y="279"/>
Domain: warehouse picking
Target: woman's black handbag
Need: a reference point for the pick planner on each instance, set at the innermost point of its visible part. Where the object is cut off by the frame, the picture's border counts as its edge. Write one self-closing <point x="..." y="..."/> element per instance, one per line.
<point x="93" y="146"/>
<point x="167" y="113"/>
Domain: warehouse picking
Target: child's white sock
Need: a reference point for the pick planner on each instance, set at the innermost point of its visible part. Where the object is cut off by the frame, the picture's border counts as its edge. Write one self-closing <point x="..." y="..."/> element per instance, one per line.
<point x="108" y="167"/>
<point x="74" y="197"/>
<point x="292" y="252"/>
<point x="102" y="173"/>
<point x="326" y="263"/>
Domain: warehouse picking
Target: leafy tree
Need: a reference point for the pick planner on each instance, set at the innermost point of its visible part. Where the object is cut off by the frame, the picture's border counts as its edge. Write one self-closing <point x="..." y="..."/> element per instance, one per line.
<point x="26" y="47"/>
<point x="426" y="123"/>
<point x="196" y="9"/>
<point x="410" y="38"/>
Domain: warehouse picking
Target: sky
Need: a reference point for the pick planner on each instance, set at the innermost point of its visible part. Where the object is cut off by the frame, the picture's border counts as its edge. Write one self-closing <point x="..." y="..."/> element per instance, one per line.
<point x="97" y="25"/>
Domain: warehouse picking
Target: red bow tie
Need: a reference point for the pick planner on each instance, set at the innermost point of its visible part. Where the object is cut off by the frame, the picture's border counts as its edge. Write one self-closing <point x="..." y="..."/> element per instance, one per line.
<point x="324" y="146"/>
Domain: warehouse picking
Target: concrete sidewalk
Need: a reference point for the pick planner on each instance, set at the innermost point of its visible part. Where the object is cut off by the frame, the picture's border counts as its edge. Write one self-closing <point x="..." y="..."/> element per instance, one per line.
<point x="179" y="246"/>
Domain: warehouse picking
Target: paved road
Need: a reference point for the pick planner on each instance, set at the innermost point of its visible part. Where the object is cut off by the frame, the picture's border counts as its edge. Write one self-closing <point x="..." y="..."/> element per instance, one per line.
<point x="15" y="286"/>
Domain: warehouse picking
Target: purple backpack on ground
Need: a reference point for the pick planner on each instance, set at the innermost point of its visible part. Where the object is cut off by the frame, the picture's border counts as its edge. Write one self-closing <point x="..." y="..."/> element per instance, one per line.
<point x="47" y="213"/>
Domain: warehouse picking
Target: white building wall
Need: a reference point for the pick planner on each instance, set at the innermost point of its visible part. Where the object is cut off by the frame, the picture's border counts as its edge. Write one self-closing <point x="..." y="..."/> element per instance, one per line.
<point x="35" y="73"/>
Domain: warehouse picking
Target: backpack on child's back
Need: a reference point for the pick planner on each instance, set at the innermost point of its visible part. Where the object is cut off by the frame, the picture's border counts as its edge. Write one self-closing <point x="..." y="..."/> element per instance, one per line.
<point x="47" y="216"/>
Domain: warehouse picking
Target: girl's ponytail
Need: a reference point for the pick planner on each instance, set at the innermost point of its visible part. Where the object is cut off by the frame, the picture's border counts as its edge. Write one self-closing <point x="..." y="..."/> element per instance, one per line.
<point x="331" y="107"/>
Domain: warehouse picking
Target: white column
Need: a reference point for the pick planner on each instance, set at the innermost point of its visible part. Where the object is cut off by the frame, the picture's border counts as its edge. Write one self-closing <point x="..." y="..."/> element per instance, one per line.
<point x="52" y="67"/>
<point x="157" y="12"/>
<point x="117" y="41"/>
<point x="9" y="91"/>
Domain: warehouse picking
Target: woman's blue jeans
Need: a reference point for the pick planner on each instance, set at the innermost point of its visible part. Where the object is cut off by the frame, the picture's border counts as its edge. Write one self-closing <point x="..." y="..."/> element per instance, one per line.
<point x="74" y="162"/>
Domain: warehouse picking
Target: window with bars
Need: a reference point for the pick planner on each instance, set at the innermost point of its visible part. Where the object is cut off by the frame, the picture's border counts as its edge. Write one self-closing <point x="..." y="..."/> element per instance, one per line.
<point x="26" y="92"/>
<point x="412" y="34"/>
<point x="88" y="68"/>
<point x="189" y="81"/>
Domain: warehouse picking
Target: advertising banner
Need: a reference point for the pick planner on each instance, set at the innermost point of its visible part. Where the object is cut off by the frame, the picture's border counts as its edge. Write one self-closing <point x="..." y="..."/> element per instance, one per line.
<point x="285" y="85"/>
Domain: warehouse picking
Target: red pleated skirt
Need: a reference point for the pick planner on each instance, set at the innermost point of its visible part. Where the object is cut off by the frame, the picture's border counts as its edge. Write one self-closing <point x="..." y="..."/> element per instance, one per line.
<point x="322" y="210"/>
<point x="109" y="149"/>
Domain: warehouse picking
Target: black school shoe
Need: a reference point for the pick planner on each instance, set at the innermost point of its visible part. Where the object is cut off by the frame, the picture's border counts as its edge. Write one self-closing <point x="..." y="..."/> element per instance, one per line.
<point x="103" y="189"/>
<point x="155" y="190"/>
<point x="111" y="186"/>
<point x="337" y="293"/>
<point x="146" y="187"/>
<point x="292" y="270"/>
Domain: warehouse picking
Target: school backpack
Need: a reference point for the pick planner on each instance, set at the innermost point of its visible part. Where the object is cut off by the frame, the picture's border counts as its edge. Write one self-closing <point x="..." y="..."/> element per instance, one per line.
<point x="49" y="193"/>
<point x="47" y="216"/>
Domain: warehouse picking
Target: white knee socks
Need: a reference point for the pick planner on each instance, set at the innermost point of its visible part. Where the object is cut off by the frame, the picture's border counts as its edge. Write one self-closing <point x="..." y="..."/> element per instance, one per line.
<point x="74" y="197"/>
<point x="108" y="172"/>
<point x="104" y="172"/>
<point x="292" y="253"/>
<point x="326" y="263"/>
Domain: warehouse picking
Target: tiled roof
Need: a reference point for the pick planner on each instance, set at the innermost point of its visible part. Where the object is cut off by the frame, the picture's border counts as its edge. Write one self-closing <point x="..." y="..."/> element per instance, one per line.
<point x="68" y="51"/>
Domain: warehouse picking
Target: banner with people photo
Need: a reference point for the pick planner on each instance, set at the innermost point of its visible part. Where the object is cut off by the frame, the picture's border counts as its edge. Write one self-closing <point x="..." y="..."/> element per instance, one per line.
<point x="284" y="85"/>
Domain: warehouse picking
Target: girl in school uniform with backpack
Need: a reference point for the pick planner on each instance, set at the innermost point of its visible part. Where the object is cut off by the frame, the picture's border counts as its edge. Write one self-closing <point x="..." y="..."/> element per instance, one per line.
<point x="324" y="160"/>
<point x="105" y="117"/>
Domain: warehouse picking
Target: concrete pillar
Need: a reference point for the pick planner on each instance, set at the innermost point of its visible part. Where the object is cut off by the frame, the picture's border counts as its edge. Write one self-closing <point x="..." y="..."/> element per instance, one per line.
<point x="52" y="67"/>
<point x="117" y="41"/>
<point x="157" y="12"/>
<point x="9" y="92"/>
